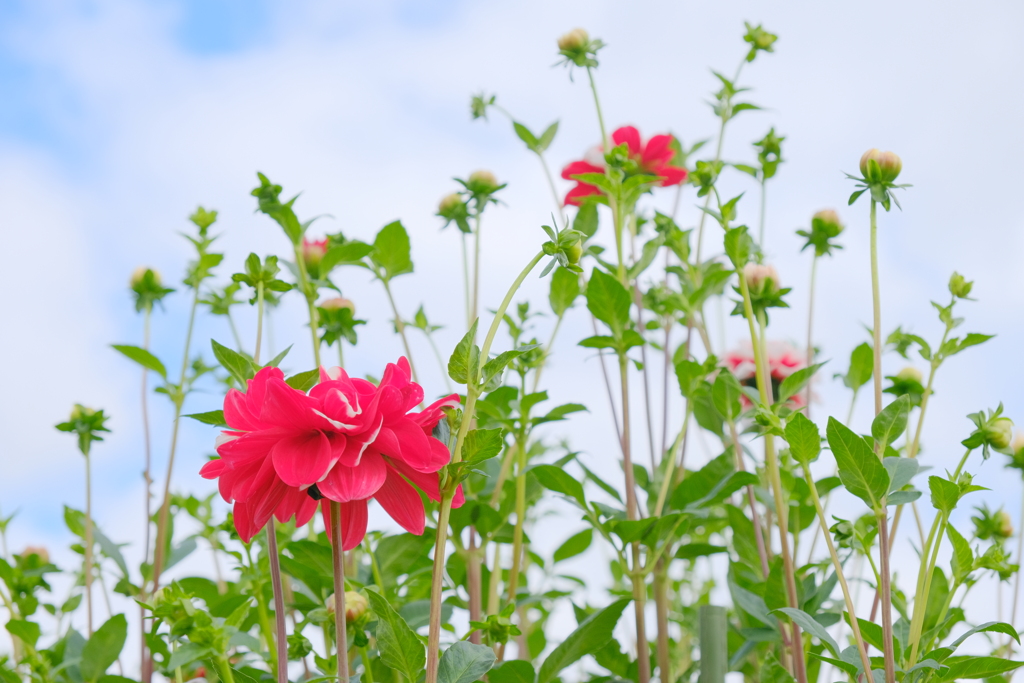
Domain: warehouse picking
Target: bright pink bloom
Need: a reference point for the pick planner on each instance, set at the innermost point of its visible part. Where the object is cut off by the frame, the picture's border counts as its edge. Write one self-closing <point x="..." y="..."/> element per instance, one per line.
<point x="783" y="360"/>
<point x="347" y="440"/>
<point x="654" y="158"/>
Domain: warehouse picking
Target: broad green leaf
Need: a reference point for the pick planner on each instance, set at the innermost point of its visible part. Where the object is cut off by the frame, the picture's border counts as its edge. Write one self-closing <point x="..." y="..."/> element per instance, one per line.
<point x="987" y="627"/>
<point x="240" y="367"/>
<point x="889" y="424"/>
<point x="525" y="135"/>
<point x="591" y="635"/>
<point x="304" y="381"/>
<point x="794" y="384"/>
<point x="972" y="667"/>
<point x="860" y="470"/>
<point x="575" y="545"/>
<point x="103" y="647"/>
<point x="186" y="654"/>
<point x="495" y="367"/>
<point x="862" y="361"/>
<point x="515" y="671"/>
<point x="558" y="480"/>
<point x="726" y="394"/>
<point x="464" y="363"/>
<point x="738" y="245"/>
<point x="809" y="625"/>
<point x="213" y="417"/>
<point x="481" y="444"/>
<point x="391" y="250"/>
<point x="464" y="662"/>
<point x="963" y="557"/>
<point x="27" y="631"/>
<point x="545" y="139"/>
<point x="400" y="648"/>
<point x="690" y="551"/>
<point x="633" y="530"/>
<point x="349" y="253"/>
<point x="565" y="287"/>
<point x="902" y="497"/>
<point x="775" y="587"/>
<point x="901" y="471"/>
<point x="586" y="219"/>
<point x="143" y="358"/>
<point x="945" y="494"/>
<point x="710" y="484"/>
<point x="803" y="438"/>
<point x="690" y="374"/>
<point x="609" y="301"/>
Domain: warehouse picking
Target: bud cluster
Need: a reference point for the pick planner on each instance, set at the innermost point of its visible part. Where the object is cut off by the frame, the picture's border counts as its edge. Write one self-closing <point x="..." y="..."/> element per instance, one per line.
<point x="577" y="47"/>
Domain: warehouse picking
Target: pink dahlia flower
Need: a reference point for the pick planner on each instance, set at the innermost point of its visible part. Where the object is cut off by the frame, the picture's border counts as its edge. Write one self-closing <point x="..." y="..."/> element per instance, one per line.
<point x="783" y="360"/>
<point x="654" y="158"/>
<point x="347" y="441"/>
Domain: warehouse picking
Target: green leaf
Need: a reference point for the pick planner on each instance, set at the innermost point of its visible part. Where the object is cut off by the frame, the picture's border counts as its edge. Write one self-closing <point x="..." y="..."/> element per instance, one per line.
<point x="726" y="394"/>
<point x="239" y="366"/>
<point x="609" y="301"/>
<point x="710" y="484"/>
<point x="945" y="494"/>
<point x="565" y="287"/>
<point x="901" y="471"/>
<point x="400" y="648"/>
<point x="104" y="647"/>
<point x="803" y="438"/>
<point x="809" y="625"/>
<point x="495" y="367"/>
<point x="987" y="627"/>
<point x="862" y="361"/>
<point x="186" y="654"/>
<point x="349" y="253"/>
<point x="464" y="363"/>
<point x="558" y="480"/>
<point x="977" y="667"/>
<point x="575" y="545"/>
<point x="690" y="551"/>
<point x="794" y="384"/>
<point x="481" y="444"/>
<point x="515" y="671"/>
<point x="27" y="631"/>
<point x="859" y="468"/>
<point x="963" y="556"/>
<point x="391" y="251"/>
<point x="526" y="136"/>
<point x="304" y="381"/>
<point x="143" y="358"/>
<point x="464" y="662"/>
<point x="889" y="424"/>
<point x="738" y="245"/>
<point x="592" y="634"/>
<point x="213" y="417"/>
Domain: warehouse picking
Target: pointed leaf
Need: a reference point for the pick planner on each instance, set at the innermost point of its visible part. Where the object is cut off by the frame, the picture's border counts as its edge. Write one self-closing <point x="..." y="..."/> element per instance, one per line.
<point x="143" y="358"/>
<point x="591" y="635"/>
<point x="860" y="470"/>
<point x="400" y="648"/>
<point x="464" y="662"/>
<point x="803" y="438"/>
<point x="889" y="424"/>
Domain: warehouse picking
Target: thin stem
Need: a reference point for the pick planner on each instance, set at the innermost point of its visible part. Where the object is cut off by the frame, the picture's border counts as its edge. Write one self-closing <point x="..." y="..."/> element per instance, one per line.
<point x="876" y="302"/>
<point x="597" y="105"/>
<point x="810" y="328"/>
<point x="259" y="321"/>
<point x="275" y="580"/>
<point x="474" y="583"/>
<point x="88" y="541"/>
<point x="465" y="280"/>
<point x="310" y="293"/>
<point x="707" y="199"/>
<point x="517" y="534"/>
<point x="554" y="191"/>
<point x="147" y="473"/>
<point x="165" y="507"/>
<point x="440" y="361"/>
<point x="762" y="550"/>
<point x="224" y="669"/>
<point x="400" y="327"/>
<point x="1020" y="560"/>
<point x="547" y="351"/>
<point x="661" y="612"/>
<point x="234" y="330"/>
<point x="338" y="559"/>
<point x="764" y="195"/>
<point x="475" y="309"/>
<point x="607" y="385"/>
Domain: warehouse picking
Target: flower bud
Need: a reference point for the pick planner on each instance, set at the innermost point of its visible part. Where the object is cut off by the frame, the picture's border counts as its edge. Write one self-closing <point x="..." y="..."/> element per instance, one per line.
<point x="450" y="203"/>
<point x="1004" y="525"/>
<point x="139" y="274"/>
<point x="910" y="373"/>
<point x="999" y="432"/>
<point x="575" y="252"/>
<point x="959" y="286"/>
<point x="573" y="41"/>
<point x="355" y="605"/>
<point x="313" y="251"/>
<point x="483" y="181"/>
<point x="829" y="220"/>
<point x="80" y="412"/>
<point x="336" y="304"/>
<point x="889" y="164"/>
<point x="761" y="277"/>
<point x="37" y="550"/>
<point x="1018" y="443"/>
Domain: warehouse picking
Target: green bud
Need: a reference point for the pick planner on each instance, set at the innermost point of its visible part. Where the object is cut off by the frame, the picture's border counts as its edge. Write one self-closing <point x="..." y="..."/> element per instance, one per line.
<point x="910" y="373"/>
<point x="574" y="41"/>
<point x="37" y="550"/>
<point x="889" y="165"/>
<point x="959" y="286"/>
<point x="482" y="181"/>
<point x="999" y="433"/>
<point x="761" y="277"/>
<point x="1004" y="525"/>
<point x="829" y="220"/>
<point x="574" y="253"/>
<point x="336" y="304"/>
<point x="450" y="203"/>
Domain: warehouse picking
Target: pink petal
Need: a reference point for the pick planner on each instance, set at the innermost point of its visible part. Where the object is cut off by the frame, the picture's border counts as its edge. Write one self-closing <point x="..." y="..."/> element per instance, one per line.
<point x="630" y="136"/>
<point x="303" y="459"/>
<point x="578" y="168"/>
<point x="353" y="523"/>
<point x="658" y="150"/>
<point x="576" y="194"/>
<point x="400" y="500"/>
<point x="672" y="175"/>
<point x="289" y="408"/>
<point x="344" y="484"/>
<point x="243" y="522"/>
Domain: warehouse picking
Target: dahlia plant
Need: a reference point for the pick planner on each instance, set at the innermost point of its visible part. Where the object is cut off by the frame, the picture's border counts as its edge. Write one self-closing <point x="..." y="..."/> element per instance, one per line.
<point x="705" y="553"/>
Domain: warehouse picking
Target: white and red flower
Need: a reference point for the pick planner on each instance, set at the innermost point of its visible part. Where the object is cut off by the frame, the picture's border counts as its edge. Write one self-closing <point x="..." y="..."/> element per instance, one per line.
<point x="783" y="360"/>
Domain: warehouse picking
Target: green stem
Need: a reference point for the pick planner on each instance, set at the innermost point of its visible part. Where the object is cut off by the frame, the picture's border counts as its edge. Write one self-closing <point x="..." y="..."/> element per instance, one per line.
<point x="224" y="669"/>
<point x="266" y="632"/>
<point x="367" y="669"/>
<point x="440" y="361"/>
<point x="876" y="304"/>
<point x="670" y="467"/>
<point x="472" y="391"/>
<point x="259" y="321"/>
<point x="465" y="281"/>
<point x="400" y="327"/>
<point x="338" y="561"/>
<point x="310" y="294"/>
<point x="281" y="670"/>
<point x="87" y="567"/>
<point x="764" y="195"/>
<point x="600" y="117"/>
<point x="234" y="331"/>
<point x="707" y="197"/>
<point x="810" y="327"/>
<point x="475" y="309"/>
<point x="517" y="534"/>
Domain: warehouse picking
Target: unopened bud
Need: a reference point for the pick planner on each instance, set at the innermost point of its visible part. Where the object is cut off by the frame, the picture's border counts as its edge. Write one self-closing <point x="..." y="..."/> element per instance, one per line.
<point x="573" y="41"/>
<point x="889" y="164"/>
<point x="80" y="412"/>
<point x="336" y="304"/>
<point x="1004" y="525"/>
<point x="910" y="373"/>
<point x="999" y="432"/>
<point x="1018" y="443"/>
<point x="959" y="286"/>
<point x="574" y="253"/>
<point x="483" y="180"/>
<point x="829" y="220"/>
<point x="449" y="203"/>
<point x="761" y="277"/>
<point x="37" y="550"/>
<point x="313" y="251"/>
<point x="139" y="274"/>
<point x="355" y="605"/>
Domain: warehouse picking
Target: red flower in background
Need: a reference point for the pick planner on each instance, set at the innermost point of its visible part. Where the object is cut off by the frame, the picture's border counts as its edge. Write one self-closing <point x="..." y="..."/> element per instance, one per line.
<point x="783" y="360"/>
<point x="347" y="441"/>
<point x="654" y="158"/>
<point x="313" y="251"/>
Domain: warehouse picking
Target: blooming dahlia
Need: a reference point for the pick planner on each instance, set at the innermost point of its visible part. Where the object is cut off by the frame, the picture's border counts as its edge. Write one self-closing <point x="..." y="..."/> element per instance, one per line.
<point x="347" y="441"/>
<point x="654" y="158"/>
<point x="783" y="360"/>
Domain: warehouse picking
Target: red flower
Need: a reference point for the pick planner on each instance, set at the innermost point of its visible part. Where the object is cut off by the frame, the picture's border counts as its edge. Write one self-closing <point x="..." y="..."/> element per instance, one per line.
<point x="654" y="158"/>
<point x="783" y="360"/>
<point x="347" y="440"/>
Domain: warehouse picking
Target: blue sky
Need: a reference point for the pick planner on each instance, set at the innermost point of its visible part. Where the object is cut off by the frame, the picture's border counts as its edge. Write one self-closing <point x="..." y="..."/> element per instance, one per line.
<point x="117" y="118"/>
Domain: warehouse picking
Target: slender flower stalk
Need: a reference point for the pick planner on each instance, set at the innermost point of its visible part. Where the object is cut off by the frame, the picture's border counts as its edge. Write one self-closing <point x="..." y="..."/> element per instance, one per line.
<point x="876" y="302"/>
<point x="338" y="559"/>
<point x="88" y="563"/>
<point x="310" y="293"/>
<point x="400" y="326"/>
<point x="472" y="393"/>
<point x="810" y="328"/>
<point x="259" y="321"/>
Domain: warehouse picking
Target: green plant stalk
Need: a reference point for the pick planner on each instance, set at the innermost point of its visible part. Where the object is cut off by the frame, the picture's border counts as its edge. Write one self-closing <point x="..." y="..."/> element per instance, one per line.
<point x="475" y="309"/>
<point x="224" y="669"/>
<point x="551" y="186"/>
<point x="492" y="584"/>
<point x="670" y="466"/>
<point x="266" y="632"/>
<point x="597" y="105"/>
<point x="259" y="321"/>
<point x="838" y="566"/>
<point x="281" y="669"/>
<point x="400" y="326"/>
<point x="1020" y="561"/>
<point x="876" y="305"/>
<point x="772" y="464"/>
<point x="762" y="550"/>
<point x="474" y="583"/>
<point x="707" y="200"/>
<point x="661" y="613"/>
<point x="179" y="400"/>
<point x="310" y="293"/>
<point x="517" y="534"/>
<point x="87" y="564"/>
<point x="472" y="392"/>
<point x="146" y="474"/>
<point x="547" y="351"/>
<point x="835" y="472"/>
<point x="338" y="561"/>
<point x="810" y="327"/>
<point x="234" y="331"/>
<point x="437" y="356"/>
<point x="367" y="670"/>
<point x="465" y="282"/>
<point x="764" y="196"/>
